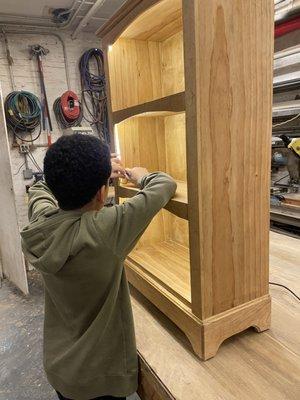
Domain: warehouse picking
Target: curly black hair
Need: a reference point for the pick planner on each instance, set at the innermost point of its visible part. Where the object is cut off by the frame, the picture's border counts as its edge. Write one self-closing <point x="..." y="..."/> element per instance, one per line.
<point x="75" y="168"/>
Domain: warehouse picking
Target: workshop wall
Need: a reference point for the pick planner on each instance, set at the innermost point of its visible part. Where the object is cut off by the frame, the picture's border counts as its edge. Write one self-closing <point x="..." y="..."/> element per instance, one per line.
<point x="26" y="78"/>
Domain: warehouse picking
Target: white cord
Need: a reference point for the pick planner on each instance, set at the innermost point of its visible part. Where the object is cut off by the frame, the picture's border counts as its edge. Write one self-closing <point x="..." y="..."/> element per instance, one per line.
<point x="285" y="122"/>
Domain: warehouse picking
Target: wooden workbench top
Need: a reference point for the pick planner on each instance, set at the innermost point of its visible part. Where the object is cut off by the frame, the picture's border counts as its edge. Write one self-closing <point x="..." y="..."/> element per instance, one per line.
<point x="248" y="366"/>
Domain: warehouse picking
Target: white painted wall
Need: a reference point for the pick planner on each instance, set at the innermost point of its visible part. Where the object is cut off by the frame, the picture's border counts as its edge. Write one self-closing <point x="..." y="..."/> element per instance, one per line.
<point x="26" y="78"/>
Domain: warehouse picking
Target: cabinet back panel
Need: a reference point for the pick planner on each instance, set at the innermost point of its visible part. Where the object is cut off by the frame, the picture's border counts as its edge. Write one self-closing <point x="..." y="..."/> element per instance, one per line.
<point x="175" y="142"/>
<point x="172" y="65"/>
<point x="157" y="143"/>
<point x="142" y="71"/>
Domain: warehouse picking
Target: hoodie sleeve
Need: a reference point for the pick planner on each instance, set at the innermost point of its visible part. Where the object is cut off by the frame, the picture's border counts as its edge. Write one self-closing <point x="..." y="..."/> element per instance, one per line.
<point x="122" y="225"/>
<point x="41" y="200"/>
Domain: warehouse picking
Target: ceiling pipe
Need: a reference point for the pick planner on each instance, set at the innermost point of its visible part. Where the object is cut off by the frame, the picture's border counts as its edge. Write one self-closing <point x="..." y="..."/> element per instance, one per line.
<point x="85" y="20"/>
<point x="66" y="60"/>
<point x="287" y="11"/>
<point x="287" y="52"/>
<point x="42" y="25"/>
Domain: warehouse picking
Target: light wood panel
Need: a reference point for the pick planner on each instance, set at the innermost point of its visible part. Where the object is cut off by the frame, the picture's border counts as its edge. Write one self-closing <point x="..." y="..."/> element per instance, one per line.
<point x="177" y="205"/>
<point x="248" y="366"/>
<point x="175" y="141"/>
<point x="135" y="73"/>
<point x="157" y="23"/>
<point x="292" y="198"/>
<point x="160" y="107"/>
<point x="168" y="263"/>
<point x="229" y="115"/>
<point x="172" y="65"/>
<point x="157" y="143"/>
<point x="176" y="228"/>
<point x="143" y="71"/>
<point x="142" y="142"/>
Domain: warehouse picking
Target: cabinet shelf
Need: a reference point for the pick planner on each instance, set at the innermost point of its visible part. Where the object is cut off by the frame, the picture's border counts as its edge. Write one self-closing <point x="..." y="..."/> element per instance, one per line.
<point x="163" y="106"/>
<point x="168" y="264"/>
<point x="178" y="205"/>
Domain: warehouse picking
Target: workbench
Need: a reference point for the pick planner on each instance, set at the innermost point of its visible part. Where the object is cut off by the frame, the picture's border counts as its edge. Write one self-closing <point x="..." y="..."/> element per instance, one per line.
<point x="247" y="366"/>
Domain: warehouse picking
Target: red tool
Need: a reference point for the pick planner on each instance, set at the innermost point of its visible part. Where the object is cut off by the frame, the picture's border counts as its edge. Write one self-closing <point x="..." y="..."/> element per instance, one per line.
<point x="39" y="51"/>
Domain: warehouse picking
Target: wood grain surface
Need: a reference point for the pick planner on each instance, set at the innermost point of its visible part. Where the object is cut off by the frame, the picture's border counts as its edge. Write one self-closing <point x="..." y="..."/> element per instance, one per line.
<point x="229" y="114"/>
<point x="142" y="71"/>
<point x="157" y="23"/>
<point x="248" y="366"/>
<point x="222" y="151"/>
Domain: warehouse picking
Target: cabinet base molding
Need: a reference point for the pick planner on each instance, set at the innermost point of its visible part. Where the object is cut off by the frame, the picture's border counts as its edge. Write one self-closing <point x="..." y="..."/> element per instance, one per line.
<point x="206" y="335"/>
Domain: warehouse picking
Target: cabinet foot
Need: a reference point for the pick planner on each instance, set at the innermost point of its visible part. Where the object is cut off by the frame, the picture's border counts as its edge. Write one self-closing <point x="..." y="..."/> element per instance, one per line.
<point x="211" y="333"/>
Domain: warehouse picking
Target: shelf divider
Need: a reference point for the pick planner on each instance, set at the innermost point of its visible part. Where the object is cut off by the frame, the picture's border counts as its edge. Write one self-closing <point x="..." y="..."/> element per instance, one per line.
<point x="178" y="205"/>
<point x="174" y="103"/>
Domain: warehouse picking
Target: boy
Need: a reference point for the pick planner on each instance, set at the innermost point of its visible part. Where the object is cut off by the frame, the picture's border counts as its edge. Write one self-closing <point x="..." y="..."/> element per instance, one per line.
<point x="79" y="246"/>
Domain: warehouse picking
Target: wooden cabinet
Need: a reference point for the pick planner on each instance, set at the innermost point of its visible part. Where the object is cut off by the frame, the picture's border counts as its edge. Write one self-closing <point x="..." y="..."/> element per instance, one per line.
<point x="190" y="93"/>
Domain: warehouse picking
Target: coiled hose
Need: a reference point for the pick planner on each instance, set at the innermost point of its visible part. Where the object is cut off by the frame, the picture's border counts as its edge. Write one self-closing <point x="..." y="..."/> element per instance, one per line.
<point x="23" y="113"/>
<point x="93" y="89"/>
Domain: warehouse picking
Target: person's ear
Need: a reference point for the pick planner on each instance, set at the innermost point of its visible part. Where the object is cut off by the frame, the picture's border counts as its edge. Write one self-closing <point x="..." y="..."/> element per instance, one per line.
<point x="102" y="194"/>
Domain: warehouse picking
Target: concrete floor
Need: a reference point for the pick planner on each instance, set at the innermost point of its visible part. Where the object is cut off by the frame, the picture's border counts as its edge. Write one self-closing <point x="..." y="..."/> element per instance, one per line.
<point x="21" y="319"/>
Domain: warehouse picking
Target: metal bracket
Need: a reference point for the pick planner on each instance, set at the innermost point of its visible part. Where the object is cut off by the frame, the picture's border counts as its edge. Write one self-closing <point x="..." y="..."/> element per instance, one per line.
<point x="37" y="50"/>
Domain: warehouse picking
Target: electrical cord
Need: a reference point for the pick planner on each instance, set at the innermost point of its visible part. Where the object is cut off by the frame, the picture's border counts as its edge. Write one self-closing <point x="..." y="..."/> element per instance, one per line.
<point x="287" y="121"/>
<point x="285" y="287"/>
<point x="19" y="169"/>
<point x="33" y="160"/>
<point x="280" y="179"/>
<point x="93" y="92"/>
<point x="23" y="113"/>
<point x="30" y="140"/>
<point x="67" y="110"/>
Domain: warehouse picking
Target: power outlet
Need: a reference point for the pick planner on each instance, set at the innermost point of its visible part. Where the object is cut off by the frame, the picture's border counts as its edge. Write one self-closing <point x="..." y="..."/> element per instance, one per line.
<point x="24" y="148"/>
<point x="28" y="173"/>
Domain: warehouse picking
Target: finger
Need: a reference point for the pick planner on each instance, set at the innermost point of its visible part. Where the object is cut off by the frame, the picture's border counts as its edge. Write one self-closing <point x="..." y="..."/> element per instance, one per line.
<point x="118" y="168"/>
<point x="128" y="173"/>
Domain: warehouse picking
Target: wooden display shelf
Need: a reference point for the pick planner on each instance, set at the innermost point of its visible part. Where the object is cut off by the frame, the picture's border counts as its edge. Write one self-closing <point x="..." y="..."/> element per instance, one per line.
<point x="178" y="205"/>
<point x="170" y="104"/>
<point x="167" y="263"/>
<point x="178" y="72"/>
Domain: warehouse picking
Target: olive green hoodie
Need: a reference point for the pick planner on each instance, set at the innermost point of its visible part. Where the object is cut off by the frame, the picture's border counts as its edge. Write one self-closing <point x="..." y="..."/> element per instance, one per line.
<point x="89" y="342"/>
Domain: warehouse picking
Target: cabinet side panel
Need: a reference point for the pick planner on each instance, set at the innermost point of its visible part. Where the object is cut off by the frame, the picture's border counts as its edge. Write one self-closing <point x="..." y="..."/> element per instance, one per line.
<point x="229" y="109"/>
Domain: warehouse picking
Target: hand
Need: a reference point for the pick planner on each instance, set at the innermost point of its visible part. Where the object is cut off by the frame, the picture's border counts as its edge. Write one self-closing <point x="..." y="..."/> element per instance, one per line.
<point x="117" y="169"/>
<point x="136" y="174"/>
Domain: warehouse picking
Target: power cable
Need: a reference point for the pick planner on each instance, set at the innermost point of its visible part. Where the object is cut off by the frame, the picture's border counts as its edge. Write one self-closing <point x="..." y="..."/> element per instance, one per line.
<point x="280" y="179"/>
<point x="23" y="113"/>
<point x="67" y="110"/>
<point x="33" y="160"/>
<point x="19" y="169"/>
<point x="93" y="92"/>
<point x="287" y="121"/>
<point x="285" y="287"/>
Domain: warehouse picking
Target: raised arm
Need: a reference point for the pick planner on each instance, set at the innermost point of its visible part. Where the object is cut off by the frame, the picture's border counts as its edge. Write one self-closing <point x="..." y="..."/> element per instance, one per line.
<point x="41" y="200"/>
<point x="122" y="225"/>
